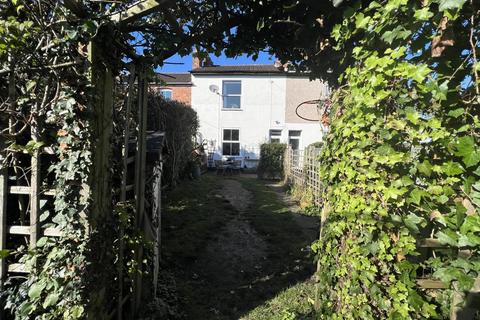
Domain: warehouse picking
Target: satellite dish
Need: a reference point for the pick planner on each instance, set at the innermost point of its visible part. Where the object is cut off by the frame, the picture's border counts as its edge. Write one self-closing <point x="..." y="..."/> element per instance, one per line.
<point x="213" y="88"/>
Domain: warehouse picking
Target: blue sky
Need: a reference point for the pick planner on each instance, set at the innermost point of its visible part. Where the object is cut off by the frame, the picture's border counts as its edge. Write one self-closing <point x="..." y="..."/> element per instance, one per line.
<point x="263" y="58"/>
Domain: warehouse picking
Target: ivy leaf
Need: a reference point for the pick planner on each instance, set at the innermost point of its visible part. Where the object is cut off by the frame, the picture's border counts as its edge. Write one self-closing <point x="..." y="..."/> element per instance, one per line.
<point x="423" y="14"/>
<point x="51" y="299"/>
<point x="451" y="168"/>
<point x="467" y="150"/>
<point x="456" y="113"/>
<point x="416" y="196"/>
<point x="425" y="167"/>
<point x="447" y="237"/>
<point x="36" y="289"/>
<point x="412" y="221"/>
<point x="451" y="4"/>
<point x="42" y="241"/>
<point x="397" y="33"/>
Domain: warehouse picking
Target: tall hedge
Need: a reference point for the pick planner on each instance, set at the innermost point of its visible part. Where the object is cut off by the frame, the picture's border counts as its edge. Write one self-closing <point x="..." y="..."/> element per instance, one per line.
<point x="271" y="160"/>
<point x="401" y="161"/>
<point x="180" y="123"/>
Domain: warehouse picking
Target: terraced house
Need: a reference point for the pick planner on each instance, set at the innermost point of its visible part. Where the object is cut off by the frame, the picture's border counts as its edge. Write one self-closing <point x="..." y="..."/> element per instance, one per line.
<point x="243" y="106"/>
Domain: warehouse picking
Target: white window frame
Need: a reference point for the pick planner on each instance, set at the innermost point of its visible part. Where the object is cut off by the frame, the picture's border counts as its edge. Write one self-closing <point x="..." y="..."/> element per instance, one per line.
<point x="230" y="142"/>
<point x="294" y="137"/>
<point x="224" y="95"/>
<point x="275" y="136"/>
<point x="166" y="90"/>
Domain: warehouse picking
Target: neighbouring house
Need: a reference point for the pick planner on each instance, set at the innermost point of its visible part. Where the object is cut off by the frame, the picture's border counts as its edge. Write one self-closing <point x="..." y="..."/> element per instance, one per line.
<point x="174" y="86"/>
<point x="243" y="106"/>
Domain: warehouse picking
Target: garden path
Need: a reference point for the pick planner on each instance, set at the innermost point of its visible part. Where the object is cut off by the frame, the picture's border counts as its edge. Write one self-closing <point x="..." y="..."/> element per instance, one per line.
<point x="233" y="247"/>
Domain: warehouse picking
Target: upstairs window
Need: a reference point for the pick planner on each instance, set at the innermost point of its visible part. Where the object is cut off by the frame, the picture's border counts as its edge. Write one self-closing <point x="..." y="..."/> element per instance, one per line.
<point x="166" y="94"/>
<point x="231" y="142"/>
<point x="232" y="91"/>
<point x="275" y="136"/>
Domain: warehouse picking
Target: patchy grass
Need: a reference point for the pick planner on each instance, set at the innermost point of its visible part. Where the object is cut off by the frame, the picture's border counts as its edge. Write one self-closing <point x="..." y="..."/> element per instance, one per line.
<point x="214" y="272"/>
<point x="295" y="302"/>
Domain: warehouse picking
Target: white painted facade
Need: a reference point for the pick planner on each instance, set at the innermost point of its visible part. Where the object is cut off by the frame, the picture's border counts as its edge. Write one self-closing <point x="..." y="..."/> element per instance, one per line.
<point x="262" y="108"/>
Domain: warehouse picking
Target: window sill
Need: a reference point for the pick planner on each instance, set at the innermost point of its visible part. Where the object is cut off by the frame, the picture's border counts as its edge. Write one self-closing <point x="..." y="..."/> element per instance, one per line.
<point x="232" y="109"/>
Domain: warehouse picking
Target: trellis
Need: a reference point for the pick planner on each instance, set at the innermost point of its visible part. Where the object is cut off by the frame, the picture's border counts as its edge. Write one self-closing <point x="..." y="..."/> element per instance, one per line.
<point x="302" y="169"/>
<point x="40" y="194"/>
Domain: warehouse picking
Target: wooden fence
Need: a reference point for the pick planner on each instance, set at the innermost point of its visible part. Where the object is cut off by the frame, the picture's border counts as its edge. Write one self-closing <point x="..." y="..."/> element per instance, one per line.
<point x="301" y="168"/>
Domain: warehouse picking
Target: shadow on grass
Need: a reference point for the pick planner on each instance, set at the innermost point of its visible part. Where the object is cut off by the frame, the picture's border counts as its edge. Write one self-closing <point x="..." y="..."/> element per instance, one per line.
<point x="231" y="265"/>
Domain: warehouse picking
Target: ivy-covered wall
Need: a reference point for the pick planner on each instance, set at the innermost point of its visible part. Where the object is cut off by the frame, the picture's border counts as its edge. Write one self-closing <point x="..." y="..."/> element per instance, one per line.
<point x="401" y="161"/>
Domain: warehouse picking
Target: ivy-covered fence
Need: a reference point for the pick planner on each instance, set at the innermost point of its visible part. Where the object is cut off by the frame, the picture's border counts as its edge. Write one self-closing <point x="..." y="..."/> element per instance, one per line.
<point x="76" y="233"/>
<point x="401" y="164"/>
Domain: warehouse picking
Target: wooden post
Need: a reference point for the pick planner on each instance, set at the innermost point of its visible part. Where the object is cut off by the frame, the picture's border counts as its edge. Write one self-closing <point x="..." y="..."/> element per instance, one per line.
<point x="123" y="189"/>
<point x="140" y="177"/>
<point x="101" y="208"/>
<point x="157" y="207"/>
<point x="3" y="220"/>
<point x="34" y="199"/>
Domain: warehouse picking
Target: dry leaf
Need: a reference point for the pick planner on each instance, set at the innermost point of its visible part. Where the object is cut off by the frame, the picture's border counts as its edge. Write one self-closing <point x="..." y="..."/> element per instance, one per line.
<point x="435" y="214"/>
<point x="469" y="206"/>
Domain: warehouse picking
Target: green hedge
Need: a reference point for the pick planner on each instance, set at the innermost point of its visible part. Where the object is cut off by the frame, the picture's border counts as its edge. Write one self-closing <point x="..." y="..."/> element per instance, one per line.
<point x="271" y="161"/>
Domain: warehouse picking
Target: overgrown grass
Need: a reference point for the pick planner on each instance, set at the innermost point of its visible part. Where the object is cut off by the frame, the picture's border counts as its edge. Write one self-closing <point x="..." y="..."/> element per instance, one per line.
<point x="198" y="218"/>
<point x="295" y="302"/>
<point x="303" y="196"/>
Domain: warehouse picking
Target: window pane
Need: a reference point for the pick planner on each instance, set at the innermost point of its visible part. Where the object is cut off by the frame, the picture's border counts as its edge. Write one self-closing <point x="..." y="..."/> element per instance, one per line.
<point x="235" y="135"/>
<point x="295" y="143"/>
<point x="275" y="133"/>
<point x="275" y="140"/>
<point x="235" y="149"/>
<point x="231" y="102"/>
<point x="294" y="133"/>
<point x="232" y="87"/>
<point x="227" y="150"/>
<point x="227" y="134"/>
<point x="166" y="94"/>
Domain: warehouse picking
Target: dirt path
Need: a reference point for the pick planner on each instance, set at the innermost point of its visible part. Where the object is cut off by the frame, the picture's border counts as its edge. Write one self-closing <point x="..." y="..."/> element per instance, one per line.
<point x="232" y="244"/>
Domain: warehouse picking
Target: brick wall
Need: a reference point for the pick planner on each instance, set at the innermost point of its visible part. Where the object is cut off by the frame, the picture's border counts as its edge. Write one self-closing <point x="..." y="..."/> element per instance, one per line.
<point x="179" y="93"/>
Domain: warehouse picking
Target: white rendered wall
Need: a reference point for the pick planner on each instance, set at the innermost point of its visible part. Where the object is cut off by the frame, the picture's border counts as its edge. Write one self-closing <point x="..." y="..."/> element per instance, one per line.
<point x="263" y="106"/>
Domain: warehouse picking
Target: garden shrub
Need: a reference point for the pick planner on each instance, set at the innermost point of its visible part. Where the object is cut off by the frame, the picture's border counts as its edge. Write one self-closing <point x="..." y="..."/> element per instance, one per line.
<point x="401" y="161"/>
<point x="271" y="160"/>
<point x="180" y="123"/>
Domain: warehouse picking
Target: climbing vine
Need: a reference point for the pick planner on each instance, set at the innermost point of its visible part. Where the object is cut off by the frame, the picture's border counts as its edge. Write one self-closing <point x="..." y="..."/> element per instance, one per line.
<point x="401" y="161"/>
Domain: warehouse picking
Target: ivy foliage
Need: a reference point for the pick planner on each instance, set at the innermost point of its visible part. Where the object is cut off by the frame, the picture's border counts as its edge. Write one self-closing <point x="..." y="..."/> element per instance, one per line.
<point x="271" y="160"/>
<point x="401" y="161"/>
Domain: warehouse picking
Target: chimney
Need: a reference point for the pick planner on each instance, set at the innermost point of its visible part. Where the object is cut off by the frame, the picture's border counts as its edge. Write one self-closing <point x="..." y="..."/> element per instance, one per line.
<point x="198" y="62"/>
<point x="195" y="62"/>
<point x="278" y="64"/>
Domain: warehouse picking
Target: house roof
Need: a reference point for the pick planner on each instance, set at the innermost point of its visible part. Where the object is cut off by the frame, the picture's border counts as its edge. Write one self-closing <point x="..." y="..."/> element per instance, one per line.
<point x="175" y="78"/>
<point x="240" y="69"/>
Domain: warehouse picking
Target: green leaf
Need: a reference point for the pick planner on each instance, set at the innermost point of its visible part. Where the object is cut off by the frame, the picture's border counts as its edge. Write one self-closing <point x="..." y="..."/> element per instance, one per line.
<point x="425" y="167"/>
<point x="36" y="289"/>
<point x="423" y="14"/>
<point x="447" y="237"/>
<point x="451" y="4"/>
<point x="51" y="299"/>
<point x="451" y="168"/>
<point x="412" y="222"/>
<point x="416" y="196"/>
<point x="456" y="113"/>
<point x="466" y="149"/>
<point x="77" y="312"/>
<point x="42" y="241"/>
<point x="4" y="253"/>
